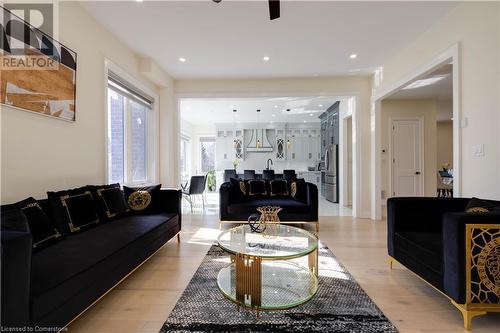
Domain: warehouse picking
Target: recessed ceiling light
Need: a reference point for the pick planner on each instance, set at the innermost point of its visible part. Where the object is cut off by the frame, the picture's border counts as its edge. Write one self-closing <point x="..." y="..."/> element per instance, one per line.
<point x="138" y="0"/>
<point x="181" y="59"/>
<point x="310" y="114"/>
<point x="353" y="56"/>
<point x="320" y="105"/>
<point x="273" y="115"/>
<point x="266" y="58"/>
<point x="305" y="121"/>
<point x="287" y="110"/>
<point x="275" y="106"/>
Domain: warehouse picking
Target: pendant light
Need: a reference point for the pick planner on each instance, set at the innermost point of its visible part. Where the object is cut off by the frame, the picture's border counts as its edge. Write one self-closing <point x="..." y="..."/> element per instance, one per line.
<point x="234" y="121"/>
<point x="288" y="143"/>
<point x="258" y="140"/>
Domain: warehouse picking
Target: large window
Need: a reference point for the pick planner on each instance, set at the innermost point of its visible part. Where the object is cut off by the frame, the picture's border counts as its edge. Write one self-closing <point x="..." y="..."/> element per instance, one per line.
<point x="129" y="116"/>
<point x="207" y="152"/>
<point x="184" y="160"/>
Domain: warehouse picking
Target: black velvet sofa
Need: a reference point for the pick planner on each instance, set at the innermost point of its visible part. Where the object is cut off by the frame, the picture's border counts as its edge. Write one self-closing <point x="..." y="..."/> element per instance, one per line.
<point x="237" y="209"/>
<point x="52" y="286"/>
<point x="455" y="251"/>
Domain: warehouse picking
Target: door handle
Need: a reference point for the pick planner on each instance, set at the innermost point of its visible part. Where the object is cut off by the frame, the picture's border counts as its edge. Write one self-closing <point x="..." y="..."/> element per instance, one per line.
<point x="417" y="173"/>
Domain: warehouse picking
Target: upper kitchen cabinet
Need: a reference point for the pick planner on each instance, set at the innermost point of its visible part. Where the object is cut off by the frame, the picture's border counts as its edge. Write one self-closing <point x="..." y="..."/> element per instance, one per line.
<point x="229" y="145"/>
<point x="280" y="152"/>
<point x="303" y="144"/>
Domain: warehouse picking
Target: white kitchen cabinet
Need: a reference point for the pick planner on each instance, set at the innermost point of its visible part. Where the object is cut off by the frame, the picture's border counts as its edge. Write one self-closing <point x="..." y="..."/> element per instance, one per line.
<point x="280" y="152"/>
<point x="229" y="145"/>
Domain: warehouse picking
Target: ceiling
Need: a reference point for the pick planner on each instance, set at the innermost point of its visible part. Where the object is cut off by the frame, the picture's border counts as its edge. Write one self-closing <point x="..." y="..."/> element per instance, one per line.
<point x="436" y="85"/>
<point x="230" y="39"/>
<point x="203" y="111"/>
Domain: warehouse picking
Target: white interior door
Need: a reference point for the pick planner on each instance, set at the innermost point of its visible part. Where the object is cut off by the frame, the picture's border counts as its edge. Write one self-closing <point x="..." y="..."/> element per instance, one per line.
<point x="406" y="144"/>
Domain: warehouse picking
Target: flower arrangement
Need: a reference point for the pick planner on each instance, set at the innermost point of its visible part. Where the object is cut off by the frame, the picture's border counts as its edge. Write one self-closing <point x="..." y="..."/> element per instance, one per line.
<point x="235" y="163"/>
<point x="445" y="166"/>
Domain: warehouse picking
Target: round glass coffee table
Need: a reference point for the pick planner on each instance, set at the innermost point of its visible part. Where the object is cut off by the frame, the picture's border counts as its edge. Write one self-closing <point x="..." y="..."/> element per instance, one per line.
<point x="261" y="275"/>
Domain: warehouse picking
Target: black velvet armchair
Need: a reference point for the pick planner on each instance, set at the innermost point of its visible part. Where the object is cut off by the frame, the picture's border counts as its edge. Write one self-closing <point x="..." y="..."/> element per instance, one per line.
<point x="456" y="252"/>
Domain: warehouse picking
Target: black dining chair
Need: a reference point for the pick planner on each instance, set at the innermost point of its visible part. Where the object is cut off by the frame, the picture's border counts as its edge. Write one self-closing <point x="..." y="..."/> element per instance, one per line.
<point x="268" y="174"/>
<point x="249" y="174"/>
<point x="289" y="174"/>
<point x="228" y="174"/>
<point x="196" y="187"/>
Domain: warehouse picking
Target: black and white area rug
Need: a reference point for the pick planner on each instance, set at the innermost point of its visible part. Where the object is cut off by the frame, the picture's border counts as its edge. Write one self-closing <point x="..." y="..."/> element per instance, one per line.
<point x="340" y="305"/>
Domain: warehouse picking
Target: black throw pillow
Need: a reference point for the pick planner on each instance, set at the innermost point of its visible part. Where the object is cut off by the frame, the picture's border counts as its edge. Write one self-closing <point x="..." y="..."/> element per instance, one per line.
<point x="278" y="187"/>
<point x="476" y="205"/>
<point x="257" y="187"/>
<point x="143" y="200"/>
<point x="73" y="209"/>
<point x="42" y="229"/>
<point x="110" y="201"/>
<point x="298" y="189"/>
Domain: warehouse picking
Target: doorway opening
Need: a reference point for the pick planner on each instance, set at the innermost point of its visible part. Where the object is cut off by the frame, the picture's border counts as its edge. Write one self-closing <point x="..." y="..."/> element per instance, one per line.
<point x="417" y="139"/>
<point x="216" y="136"/>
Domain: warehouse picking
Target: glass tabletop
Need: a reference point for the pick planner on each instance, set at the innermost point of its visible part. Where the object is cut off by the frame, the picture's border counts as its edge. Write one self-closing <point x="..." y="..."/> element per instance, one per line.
<point x="284" y="285"/>
<point x="277" y="242"/>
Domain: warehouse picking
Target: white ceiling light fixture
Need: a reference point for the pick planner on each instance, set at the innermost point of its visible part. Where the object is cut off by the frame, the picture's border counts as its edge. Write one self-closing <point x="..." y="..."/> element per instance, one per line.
<point x="266" y="58"/>
<point x="353" y="56"/>
<point x="138" y="0"/>
<point x="273" y="115"/>
<point x="310" y="114"/>
<point x="182" y="59"/>
<point x="424" y="82"/>
<point x="320" y="105"/>
<point x="275" y="106"/>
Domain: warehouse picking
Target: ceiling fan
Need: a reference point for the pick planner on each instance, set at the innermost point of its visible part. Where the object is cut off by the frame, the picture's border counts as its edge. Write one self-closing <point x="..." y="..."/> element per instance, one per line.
<point x="274" y="8"/>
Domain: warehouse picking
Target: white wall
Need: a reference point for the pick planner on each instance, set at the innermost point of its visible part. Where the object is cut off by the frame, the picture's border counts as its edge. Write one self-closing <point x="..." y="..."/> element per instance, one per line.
<point x="331" y="86"/>
<point x="475" y="25"/>
<point x="41" y="153"/>
<point x="410" y="108"/>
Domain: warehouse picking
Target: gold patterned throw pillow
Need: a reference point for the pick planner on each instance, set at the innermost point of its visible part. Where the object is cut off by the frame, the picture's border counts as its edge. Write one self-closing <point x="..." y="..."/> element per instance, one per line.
<point x="243" y="187"/>
<point x="477" y="210"/>
<point x="139" y="200"/>
<point x="293" y="189"/>
<point x="480" y="206"/>
<point x="143" y="200"/>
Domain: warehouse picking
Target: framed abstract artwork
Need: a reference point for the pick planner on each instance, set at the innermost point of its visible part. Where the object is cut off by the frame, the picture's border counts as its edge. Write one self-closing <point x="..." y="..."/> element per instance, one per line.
<point x="38" y="73"/>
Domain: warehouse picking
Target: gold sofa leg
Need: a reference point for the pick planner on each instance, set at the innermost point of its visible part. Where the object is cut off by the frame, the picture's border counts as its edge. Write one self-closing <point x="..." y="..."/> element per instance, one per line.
<point x="317" y="226"/>
<point x="467" y="314"/>
<point x="390" y="261"/>
<point x="178" y="237"/>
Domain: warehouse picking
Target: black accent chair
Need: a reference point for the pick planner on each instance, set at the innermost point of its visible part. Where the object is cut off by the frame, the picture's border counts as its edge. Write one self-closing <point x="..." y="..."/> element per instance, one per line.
<point x="228" y="174"/>
<point x="197" y="186"/>
<point x="237" y="209"/>
<point x="289" y="174"/>
<point x="52" y="286"/>
<point x="249" y="174"/>
<point x="432" y="238"/>
<point x="268" y="174"/>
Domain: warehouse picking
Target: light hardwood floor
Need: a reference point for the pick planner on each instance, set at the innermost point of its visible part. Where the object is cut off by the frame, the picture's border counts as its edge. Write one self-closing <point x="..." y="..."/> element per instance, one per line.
<point x="143" y="301"/>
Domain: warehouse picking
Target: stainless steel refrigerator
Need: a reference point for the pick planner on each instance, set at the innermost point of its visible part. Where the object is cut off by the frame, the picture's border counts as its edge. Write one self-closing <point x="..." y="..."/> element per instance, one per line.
<point x="331" y="173"/>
